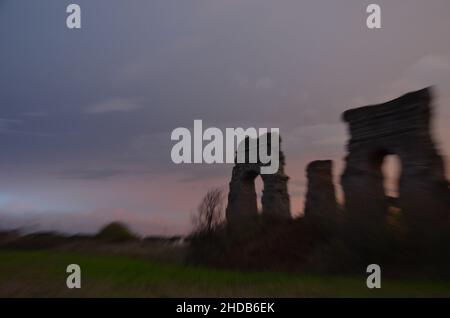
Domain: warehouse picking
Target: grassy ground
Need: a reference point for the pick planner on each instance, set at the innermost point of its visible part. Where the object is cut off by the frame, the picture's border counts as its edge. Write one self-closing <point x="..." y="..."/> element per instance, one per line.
<point x="42" y="274"/>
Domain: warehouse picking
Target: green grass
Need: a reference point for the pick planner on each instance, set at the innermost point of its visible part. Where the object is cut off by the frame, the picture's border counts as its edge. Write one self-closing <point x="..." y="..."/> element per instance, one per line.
<point x="42" y="274"/>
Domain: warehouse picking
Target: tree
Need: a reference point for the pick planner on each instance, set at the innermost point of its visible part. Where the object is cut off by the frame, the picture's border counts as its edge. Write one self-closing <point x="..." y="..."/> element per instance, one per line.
<point x="210" y="212"/>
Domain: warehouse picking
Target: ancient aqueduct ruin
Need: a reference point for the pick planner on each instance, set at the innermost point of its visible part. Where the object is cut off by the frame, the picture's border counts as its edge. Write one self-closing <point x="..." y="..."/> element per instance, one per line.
<point x="401" y="127"/>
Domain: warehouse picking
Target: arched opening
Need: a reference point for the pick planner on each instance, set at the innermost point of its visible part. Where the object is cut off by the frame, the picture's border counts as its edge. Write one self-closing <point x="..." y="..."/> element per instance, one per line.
<point x="249" y="200"/>
<point x="259" y="188"/>
<point x="386" y="168"/>
<point x="391" y="169"/>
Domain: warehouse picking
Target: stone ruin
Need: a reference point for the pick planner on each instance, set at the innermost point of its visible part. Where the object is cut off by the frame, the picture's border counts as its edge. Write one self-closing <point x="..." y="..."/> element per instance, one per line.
<point x="242" y="199"/>
<point x="320" y="201"/>
<point x="400" y="127"/>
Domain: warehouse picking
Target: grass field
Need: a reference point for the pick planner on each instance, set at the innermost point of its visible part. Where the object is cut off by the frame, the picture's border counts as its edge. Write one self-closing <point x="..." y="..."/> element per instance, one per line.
<point x="42" y="274"/>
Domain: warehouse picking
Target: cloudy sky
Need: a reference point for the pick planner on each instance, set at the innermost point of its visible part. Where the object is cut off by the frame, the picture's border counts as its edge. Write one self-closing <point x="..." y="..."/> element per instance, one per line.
<point x="86" y="115"/>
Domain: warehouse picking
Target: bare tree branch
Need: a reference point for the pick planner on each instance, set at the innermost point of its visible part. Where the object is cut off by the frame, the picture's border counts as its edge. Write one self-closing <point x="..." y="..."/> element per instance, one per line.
<point x="210" y="211"/>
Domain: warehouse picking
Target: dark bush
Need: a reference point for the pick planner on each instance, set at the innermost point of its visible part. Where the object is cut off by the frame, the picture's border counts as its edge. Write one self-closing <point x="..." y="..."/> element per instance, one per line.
<point x="116" y="232"/>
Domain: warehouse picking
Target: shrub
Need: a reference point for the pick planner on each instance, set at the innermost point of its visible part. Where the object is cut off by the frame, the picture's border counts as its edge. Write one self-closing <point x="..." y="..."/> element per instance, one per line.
<point x="116" y="232"/>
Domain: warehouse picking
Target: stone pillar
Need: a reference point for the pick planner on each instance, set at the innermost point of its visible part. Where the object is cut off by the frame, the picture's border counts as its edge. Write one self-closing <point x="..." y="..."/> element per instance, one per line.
<point x="275" y="198"/>
<point x="320" y="201"/>
<point x="242" y="195"/>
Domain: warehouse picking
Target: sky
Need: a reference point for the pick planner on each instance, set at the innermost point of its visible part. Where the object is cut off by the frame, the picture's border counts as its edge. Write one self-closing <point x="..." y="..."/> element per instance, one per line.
<point x="86" y="115"/>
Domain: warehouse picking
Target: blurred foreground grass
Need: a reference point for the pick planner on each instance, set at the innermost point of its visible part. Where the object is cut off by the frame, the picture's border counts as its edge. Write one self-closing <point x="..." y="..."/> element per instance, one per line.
<point x="42" y="274"/>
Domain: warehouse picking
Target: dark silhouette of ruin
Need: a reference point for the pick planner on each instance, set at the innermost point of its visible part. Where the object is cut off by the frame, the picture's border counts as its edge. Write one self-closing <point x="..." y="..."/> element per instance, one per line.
<point x="242" y="199"/>
<point x="320" y="204"/>
<point x="409" y="231"/>
<point x="400" y="127"/>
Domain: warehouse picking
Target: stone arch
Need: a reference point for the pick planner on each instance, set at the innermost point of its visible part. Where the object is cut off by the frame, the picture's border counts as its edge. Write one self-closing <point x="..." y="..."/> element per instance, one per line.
<point x="401" y="127"/>
<point x="242" y="198"/>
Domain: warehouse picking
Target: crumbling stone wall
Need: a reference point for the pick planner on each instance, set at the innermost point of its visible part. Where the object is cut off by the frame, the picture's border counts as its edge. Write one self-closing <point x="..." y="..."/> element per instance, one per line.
<point x="242" y="199"/>
<point x="401" y="127"/>
<point x="320" y="201"/>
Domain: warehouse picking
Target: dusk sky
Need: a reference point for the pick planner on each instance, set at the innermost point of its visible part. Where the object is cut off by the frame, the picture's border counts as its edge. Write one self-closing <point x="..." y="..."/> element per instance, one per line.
<point x="86" y="115"/>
